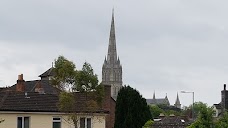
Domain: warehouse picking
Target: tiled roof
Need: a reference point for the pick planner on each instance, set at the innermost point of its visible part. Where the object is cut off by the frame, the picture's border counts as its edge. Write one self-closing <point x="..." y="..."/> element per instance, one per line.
<point x="18" y="101"/>
<point x="30" y="86"/>
<point x="35" y="102"/>
<point x="49" y="72"/>
<point x="218" y="106"/>
<point x="171" y="122"/>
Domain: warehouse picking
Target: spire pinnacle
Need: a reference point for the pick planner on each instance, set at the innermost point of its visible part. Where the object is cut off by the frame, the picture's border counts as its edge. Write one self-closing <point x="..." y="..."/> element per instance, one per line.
<point x="177" y="100"/>
<point x="154" y="95"/>
<point x="112" y="54"/>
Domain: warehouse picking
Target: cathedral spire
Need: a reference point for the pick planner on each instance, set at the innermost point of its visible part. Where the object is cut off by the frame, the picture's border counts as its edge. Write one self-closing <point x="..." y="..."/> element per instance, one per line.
<point x="112" y="69"/>
<point x="154" y="96"/>
<point x="177" y="103"/>
<point x="112" y="54"/>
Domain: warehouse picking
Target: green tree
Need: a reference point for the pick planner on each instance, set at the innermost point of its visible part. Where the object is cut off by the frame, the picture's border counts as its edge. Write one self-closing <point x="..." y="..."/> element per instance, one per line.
<point x="132" y="110"/>
<point x="204" y="118"/>
<point x="64" y="73"/>
<point x="155" y="111"/>
<point x="223" y="121"/>
<point x="149" y="124"/>
<point x="67" y="77"/>
<point x="85" y="79"/>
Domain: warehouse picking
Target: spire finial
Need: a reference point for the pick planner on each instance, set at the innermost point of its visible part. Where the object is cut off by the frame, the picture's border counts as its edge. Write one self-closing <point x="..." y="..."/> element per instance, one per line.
<point x="154" y="95"/>
<point x="166" y="96"/>
<point x="113" y="11"/>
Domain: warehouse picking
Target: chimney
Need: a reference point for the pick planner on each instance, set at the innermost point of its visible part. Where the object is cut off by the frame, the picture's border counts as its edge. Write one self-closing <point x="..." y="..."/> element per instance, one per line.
<point x="107" y="97"/>
<point x="20" y="87"/>
<point x="224" y="86"/>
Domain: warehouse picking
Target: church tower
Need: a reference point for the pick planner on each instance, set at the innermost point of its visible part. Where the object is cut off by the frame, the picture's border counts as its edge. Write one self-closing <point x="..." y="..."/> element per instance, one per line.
<point x="112" y="69"/>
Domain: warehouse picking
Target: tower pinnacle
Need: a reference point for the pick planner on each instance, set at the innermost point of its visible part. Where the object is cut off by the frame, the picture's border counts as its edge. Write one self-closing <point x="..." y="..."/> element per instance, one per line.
<point x="112" y="54"/>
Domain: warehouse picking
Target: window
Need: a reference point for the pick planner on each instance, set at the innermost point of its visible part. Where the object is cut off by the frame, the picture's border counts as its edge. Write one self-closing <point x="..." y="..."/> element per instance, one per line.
<point x="22" y="122"/>
<point x="56" y="122"/>
<point x="85" y="123"/>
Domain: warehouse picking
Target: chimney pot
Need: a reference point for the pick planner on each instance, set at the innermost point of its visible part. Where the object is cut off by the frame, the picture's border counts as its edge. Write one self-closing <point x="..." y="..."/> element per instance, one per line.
<point x="20" y="77"/>
<point x="224" y="86"/>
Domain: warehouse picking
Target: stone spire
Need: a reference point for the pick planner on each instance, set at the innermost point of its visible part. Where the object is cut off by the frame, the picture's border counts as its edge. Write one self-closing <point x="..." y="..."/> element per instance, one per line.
<point x="177" y="103"/>
<point x="154" y="96"/>
<point x="112" y="69"/>
<point x="112" y="54"/>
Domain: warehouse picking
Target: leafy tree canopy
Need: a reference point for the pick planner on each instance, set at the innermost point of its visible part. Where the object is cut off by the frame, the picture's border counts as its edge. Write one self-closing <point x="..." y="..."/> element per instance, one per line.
<point x="132" y="110"/>
<point x="148" y="124"/>
<point x="85" y="79"/>
<point x="67" y="77"/>
<point x="223" y="121"/>
<point x="204" y="118"/>
<point x="64" y="73"/>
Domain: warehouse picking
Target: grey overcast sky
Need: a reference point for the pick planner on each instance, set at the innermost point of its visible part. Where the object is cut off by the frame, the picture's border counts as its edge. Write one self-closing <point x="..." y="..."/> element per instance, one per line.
<point x="164" y="45"/>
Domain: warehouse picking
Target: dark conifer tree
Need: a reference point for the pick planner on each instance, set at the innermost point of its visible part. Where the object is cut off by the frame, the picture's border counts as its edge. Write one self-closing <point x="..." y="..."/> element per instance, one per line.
<point x="132" y="110"/>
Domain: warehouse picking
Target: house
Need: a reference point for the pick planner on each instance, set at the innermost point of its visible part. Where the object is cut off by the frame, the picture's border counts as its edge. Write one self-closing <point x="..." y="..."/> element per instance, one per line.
<point x="34" y="104"/>
<point x="223" y="105"/>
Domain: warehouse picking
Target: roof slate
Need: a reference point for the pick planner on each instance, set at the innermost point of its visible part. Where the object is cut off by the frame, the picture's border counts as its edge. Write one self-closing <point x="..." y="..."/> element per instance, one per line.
<point x="30" y="86"/>
<point x="35" y="102"/>
<point x="49" y="72"/>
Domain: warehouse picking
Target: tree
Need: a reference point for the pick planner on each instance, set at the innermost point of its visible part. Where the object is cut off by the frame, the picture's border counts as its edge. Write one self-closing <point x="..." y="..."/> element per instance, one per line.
<point x="85" y="81"/>
<point x="223" y="121"/>
<point x="132" y="110"/>
<point x="204" y="118"/>
<point x="155" y="111"/>
<point x="64" y="73"/>
<point x="148" y="124"/>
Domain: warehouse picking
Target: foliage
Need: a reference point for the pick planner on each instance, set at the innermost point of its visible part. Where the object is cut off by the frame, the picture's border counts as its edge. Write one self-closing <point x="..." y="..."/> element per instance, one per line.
<point x="148" y="124"/>
<point x="132" y="110"/>
<point x="205" y="117"/>
<point x="99" y="94"/>
<point x="66" y="102"/>
<point x="223" y="121"/>
<point x="85" y="79"/>
<point x="64" y="73"/>
<point x="197" y="108"/>
<point x="155" y="111"/>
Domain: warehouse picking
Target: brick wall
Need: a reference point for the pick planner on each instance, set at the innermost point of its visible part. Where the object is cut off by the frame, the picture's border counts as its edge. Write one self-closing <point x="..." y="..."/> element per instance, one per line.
<point x="109" y="104"/>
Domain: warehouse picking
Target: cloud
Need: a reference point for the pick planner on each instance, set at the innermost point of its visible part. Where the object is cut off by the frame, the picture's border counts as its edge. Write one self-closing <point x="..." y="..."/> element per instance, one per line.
<point x="166" y="46"/>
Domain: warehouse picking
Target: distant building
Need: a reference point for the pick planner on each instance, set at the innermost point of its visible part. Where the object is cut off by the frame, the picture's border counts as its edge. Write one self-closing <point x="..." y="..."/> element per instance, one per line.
<point x="112" y="69"/>
<point x="157" y="101"/>
<point x="164" y="103"/>
<point x="223" y="105"/>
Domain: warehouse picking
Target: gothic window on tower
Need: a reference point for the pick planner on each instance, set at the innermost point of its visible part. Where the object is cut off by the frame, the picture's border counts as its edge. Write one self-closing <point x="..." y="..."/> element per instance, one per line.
<point x="114" y="90"/>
